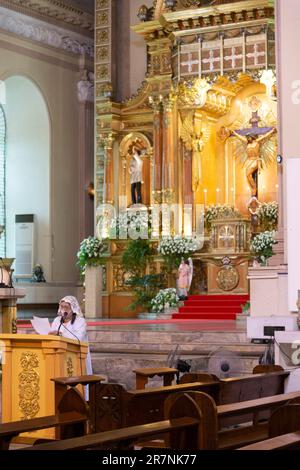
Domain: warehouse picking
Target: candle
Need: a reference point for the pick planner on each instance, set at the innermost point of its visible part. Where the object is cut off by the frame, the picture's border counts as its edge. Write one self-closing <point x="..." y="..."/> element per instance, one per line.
<point x="218" y="194"/>
<point x="170" y="176"/>
<point x="205" y="197"/>
<point x="232" y="196"/>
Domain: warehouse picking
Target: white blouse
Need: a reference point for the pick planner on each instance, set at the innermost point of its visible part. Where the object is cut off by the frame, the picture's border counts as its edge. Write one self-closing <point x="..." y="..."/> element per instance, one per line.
<point x="77" y="330"/>
<point x="71" y="331"/>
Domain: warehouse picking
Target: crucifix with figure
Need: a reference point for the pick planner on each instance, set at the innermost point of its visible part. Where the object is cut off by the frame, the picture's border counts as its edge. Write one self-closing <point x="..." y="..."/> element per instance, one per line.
<point x="253" y="155"/>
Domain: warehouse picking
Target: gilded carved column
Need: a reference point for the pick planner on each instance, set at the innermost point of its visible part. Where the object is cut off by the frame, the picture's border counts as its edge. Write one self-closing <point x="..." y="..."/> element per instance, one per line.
<point x="157" y="153"/>
<point x="103" y="84"/>
<point x="108" y="184"/>
<point x="168" y="165"/>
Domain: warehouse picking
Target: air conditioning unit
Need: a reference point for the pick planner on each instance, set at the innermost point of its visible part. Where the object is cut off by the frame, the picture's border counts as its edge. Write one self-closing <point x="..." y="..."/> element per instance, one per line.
<point x="25" y="241"/>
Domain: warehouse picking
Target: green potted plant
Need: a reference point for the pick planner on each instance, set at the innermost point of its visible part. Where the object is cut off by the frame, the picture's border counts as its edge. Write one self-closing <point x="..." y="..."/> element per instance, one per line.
<point x="246" y="308"/>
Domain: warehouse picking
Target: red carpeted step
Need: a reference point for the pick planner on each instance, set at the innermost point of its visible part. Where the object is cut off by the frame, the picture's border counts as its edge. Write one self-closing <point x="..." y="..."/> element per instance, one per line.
<point x="212" y="307"/>
<point x="209" y="303"/>
<point x="219" y="297"/>
<point x="203" y="316"/>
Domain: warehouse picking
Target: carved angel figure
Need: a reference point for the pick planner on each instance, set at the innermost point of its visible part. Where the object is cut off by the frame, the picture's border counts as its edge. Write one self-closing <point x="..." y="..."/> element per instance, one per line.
<point x="195" y="137"/>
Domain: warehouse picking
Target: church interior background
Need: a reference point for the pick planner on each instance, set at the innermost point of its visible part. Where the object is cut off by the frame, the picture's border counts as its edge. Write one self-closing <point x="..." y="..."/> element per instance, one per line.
<point x="192" y="86"/>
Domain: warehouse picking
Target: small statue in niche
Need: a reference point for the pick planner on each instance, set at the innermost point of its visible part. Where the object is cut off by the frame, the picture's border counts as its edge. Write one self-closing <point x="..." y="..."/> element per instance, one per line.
<point x="136" y="171"/>
<point x="38" y="274"/>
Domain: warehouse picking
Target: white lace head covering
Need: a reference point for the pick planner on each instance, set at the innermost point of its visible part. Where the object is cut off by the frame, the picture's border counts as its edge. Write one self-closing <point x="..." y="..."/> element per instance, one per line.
<point x="74" y="305"/>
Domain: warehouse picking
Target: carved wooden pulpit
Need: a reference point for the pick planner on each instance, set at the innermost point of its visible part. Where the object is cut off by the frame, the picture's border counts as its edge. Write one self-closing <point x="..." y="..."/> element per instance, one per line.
<point x="29" y="362"/>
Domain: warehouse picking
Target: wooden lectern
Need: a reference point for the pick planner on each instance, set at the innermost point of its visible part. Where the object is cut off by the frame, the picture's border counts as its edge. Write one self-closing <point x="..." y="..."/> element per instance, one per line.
<point x="29" y="362"/>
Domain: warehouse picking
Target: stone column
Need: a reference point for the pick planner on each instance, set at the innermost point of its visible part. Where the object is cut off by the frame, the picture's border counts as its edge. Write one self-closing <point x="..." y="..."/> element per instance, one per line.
<point x="93" y="287"/>
<point x="85" y="92"/>
<point x="288" y="91"/>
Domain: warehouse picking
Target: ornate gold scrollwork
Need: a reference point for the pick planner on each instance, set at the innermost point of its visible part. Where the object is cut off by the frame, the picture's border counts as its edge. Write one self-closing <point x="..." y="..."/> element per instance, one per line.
<point x="228" y="278"/>
<point x="70" y="367"/>
<point x="29" y="385"/>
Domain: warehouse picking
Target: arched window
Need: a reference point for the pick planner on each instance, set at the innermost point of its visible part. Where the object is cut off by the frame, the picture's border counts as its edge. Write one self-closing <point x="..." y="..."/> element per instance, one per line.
<point x="2" y="181"/>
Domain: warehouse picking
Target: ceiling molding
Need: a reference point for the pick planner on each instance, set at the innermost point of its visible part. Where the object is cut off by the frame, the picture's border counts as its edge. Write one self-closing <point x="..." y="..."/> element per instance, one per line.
<point x="56" y="12"/>
<point x="41" y="32"/>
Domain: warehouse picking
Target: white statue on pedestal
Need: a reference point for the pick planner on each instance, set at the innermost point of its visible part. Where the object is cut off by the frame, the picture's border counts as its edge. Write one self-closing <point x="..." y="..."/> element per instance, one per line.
<point x="136" y="176"/>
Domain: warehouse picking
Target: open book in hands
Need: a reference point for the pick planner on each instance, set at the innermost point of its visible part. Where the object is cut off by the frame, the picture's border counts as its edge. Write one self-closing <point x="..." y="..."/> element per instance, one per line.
<point x="41" y="325"/>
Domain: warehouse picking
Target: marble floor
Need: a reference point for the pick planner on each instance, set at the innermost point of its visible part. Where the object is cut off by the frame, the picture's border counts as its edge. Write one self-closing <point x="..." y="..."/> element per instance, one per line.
<point x="120" y="346"/>
<point x="167" y="325"/>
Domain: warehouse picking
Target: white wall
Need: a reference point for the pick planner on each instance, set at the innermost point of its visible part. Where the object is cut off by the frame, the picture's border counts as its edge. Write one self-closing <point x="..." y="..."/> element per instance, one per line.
<point x="28" y="165"/>
<point x="288" y="85"/>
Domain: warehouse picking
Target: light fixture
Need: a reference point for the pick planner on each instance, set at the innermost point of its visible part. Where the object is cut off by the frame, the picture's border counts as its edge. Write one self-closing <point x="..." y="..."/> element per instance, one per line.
<point x="143" y="13"/>
<point x="91" y="190"/>
<point x="170" y="4"/>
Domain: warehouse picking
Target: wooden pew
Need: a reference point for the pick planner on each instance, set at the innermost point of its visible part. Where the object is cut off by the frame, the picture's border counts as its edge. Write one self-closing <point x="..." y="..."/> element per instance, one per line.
<point x="289" y="441"/>
<point x="285" y="420"/>
<point x="114" y="407"/>
<point x="182" y="406"/>
<point x="64" y="398"/>
<point x="239" y="412"/>
<point x="249" y="387"/>
<point x="212" y="435"/>
<point x="67" y="421"/>
<point x="185" y="429"/>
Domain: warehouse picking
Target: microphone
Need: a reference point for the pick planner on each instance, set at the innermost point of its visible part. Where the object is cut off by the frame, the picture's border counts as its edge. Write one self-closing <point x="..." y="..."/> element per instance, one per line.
<point x="64" y="315"/>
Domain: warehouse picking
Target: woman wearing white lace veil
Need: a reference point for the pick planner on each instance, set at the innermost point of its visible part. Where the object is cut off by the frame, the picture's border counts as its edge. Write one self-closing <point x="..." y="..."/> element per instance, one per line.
<point x="71" y="324"/>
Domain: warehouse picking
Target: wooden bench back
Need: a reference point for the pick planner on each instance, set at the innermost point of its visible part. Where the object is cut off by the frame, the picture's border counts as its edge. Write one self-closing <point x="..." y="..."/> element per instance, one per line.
<point x="184" y="431"/>
<point x="284" y="420"/>
<point x="72" y="424"/>
<point x="270" y="381"/>
<point x="289" y="441"/>
<point x="115" y="407"/>
<point x="251" y="387"/>
<point x="177" y="405"/>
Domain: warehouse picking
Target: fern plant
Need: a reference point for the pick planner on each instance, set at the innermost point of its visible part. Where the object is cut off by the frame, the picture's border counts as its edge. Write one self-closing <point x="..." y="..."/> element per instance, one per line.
<point x="144" y="286"/>
<point x="136" y="256"/>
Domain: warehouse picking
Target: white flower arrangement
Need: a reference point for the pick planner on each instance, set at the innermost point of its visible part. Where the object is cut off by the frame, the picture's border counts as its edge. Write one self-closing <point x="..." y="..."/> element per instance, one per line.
<point x="90" y="251"/>
<point x="268" y="215"/>
<point x="138" y="222"/>
<point x="262" y="245"/>
<point x="175" y="248"/>
<point x="219" y="211"/>
<point x="177" y="245"/>
<point x="166" y="298"/>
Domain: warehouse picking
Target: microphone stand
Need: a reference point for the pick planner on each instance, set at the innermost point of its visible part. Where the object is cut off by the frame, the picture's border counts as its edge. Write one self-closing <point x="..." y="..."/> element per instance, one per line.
<point x="61" y="323"/>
